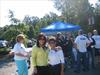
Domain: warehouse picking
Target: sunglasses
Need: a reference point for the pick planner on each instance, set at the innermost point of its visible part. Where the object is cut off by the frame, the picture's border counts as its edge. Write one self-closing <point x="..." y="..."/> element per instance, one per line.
<point x="41" y="39"/>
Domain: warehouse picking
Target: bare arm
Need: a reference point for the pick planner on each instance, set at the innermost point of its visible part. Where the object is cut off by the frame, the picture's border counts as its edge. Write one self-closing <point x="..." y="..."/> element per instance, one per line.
<point x="75" y="45"/>
<point x="62" y="69"/>
<point x="20" y="54"/>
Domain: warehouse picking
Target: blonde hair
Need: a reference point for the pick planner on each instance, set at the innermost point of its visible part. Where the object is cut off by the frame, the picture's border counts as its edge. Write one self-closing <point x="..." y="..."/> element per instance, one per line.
<point x="52" y="38"/>
<point x="20" y="37"/>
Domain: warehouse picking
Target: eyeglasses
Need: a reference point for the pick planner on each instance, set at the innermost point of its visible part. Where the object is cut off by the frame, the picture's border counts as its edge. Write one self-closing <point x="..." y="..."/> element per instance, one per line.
<point x="52" y="42"/>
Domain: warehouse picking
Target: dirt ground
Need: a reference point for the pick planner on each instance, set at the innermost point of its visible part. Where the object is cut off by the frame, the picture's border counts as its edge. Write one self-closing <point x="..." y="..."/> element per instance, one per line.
<point x="8" y="67"/>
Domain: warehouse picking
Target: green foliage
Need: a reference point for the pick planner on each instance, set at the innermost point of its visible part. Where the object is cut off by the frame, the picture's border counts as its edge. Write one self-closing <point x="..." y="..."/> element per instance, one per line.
<point x="73" y="11"/>
<point x="30" y="32"/>
<point x="9" y="34"/>
<point x="12" y="18"/>
<point x="30" y="26"/>
<point x="78" y="12"/>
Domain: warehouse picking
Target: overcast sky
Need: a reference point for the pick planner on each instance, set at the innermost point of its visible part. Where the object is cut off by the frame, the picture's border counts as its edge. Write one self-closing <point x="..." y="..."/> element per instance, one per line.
<point x="26" y="7"/>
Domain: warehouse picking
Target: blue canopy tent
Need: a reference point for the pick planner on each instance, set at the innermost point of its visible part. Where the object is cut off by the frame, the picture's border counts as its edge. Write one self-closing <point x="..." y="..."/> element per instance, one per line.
<point x="60" y="26"/>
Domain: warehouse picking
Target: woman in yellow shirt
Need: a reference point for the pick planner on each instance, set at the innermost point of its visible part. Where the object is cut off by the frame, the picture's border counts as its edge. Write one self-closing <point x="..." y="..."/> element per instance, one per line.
<point x="40" y="56"/>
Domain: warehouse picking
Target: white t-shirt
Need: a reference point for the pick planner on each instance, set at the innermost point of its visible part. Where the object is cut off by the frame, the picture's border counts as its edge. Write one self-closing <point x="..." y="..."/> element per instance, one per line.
<point x="81" y="42"/>
<point x="55" y="57"/>
<point x="97" y="40"/>
<point x="19" y="48"/>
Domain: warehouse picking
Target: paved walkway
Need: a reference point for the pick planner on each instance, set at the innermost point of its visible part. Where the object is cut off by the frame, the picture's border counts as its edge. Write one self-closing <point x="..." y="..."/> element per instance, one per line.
<point x="90" y="72"/>
<point x="9" y="68"/>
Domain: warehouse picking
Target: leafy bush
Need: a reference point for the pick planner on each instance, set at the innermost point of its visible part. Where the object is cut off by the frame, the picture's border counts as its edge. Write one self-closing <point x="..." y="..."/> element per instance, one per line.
<point x="4" y="51"/>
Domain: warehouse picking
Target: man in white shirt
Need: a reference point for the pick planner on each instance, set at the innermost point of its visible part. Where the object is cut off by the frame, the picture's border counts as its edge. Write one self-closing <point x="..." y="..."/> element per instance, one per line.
<point x="81" y="43"/>
<point x="96" y="37"/>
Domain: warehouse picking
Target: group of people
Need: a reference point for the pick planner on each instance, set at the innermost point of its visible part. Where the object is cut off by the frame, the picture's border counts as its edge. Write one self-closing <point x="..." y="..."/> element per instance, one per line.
<point x="80" y="51"/>
<point x="46" y="60"/>
<point x="49" y="55"/>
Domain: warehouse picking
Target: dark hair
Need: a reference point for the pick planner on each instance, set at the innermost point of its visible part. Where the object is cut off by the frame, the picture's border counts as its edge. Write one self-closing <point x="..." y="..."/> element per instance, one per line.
<point x="80" y="31"/>
<point x="39" y="37"/>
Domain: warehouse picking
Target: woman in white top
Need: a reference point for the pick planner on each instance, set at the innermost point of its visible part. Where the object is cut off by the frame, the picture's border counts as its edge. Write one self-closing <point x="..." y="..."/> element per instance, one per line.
<point x="20" y="55"/>
<point x="56" y="58"/>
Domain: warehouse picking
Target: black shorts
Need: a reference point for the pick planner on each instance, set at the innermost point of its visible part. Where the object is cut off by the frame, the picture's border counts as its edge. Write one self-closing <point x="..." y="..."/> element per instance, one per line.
<point x="55" y="69"/>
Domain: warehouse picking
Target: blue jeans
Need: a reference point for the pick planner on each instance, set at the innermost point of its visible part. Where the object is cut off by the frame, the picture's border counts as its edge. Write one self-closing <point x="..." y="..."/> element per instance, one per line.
<point x="22" y="67"/>
<point x="91" y="53"/>
<point x="82" y="58"/>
